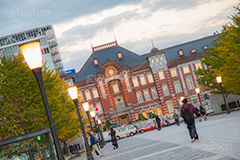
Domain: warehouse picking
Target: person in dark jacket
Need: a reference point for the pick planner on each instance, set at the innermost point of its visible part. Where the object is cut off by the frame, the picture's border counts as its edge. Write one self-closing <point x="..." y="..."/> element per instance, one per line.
<point x="158" y="120"/>
<point x="191" y="127"/>
<point x="93" y="144"/>
<point x="113" y="138"/>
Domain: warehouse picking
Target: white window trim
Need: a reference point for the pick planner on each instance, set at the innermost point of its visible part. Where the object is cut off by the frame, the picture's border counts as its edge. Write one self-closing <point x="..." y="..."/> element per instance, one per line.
<point x="156" y="97"/>
<point x="141" y="79"/>
<point x="192" y="82"/>
<point x="166" y="88"/>
<point x="184" y="70"/>
<point x="85" y="92"/>
<point x="136" y="81"/>
<point x="95" y="89"/>
<point x="200" y="64"/>
<point x="146" y="96"/>
<point x="179" y="86"/>
<point x="150" y="74"/>
<point x="141" y="96"/>
<point x="162" y="74"/>
<point x="175" y="71"/>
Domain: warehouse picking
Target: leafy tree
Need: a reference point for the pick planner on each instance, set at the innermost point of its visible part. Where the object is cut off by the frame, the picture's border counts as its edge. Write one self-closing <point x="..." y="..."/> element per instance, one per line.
<point x="22" y="109"/>
<point x="224" y="58"/>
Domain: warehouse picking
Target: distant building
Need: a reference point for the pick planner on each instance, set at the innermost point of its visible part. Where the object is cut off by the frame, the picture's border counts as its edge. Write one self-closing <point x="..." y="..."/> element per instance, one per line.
<point x="9" y="45"/>
<point x="125" y="84"/>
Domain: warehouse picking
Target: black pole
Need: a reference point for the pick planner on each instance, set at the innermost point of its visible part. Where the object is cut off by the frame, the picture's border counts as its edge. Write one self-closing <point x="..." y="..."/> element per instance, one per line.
<point x="89" y="120"/>
<point x="100" y="128"/>
<point x="89" y="153"/>
<point x="38" y="75"/>
<point x="100" y="140"/>
<point x="226" y="105"/>
<point x="199" y="99"/>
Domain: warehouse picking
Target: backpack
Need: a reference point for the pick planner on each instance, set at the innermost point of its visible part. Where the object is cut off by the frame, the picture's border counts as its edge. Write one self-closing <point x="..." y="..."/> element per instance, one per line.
<point x="187" y="116"/>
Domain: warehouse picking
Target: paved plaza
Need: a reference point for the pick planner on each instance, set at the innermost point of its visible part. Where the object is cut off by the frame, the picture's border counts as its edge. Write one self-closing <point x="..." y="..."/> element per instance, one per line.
<point x="219" y="139"/>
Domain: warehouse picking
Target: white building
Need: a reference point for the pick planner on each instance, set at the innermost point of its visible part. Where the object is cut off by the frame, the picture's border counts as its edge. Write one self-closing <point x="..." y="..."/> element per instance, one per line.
<point x="9" y="45"/>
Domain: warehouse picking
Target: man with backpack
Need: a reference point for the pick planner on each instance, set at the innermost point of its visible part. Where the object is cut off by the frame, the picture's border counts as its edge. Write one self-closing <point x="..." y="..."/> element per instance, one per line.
<point x="187" y="113"/>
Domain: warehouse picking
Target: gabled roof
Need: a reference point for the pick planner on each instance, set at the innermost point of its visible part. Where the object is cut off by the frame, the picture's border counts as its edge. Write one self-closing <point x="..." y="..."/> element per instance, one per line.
<point x="171" y="53"/>
<point x="108" y="54"/>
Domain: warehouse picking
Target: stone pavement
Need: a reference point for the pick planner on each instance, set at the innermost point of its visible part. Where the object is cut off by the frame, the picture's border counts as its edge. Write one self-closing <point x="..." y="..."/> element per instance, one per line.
<point x="219" y="139"/>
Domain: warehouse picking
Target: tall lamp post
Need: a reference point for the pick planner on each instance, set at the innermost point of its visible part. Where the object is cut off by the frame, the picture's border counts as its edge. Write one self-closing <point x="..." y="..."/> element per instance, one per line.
<point x="74" y="94"/>
<point x="197" y="90"/>
<point x="100" y="128"/>
<point x="32" y="54"/>
<point x="93" y="114"/>
<point x="219" y="80"/>
<point x="86" y="109"/>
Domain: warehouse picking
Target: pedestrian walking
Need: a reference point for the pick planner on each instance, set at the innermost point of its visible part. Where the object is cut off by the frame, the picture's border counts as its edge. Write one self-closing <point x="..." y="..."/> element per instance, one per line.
<point x="203" y="112"/>
<point x="113" y="138"/>
<point x="158" y="120"/>
<point x="176" y="117"/>
<point x="167" y="121"/>
<point x="198" y="114"/>
<point x="187" y="113"/>
<point x="93" y="144"/>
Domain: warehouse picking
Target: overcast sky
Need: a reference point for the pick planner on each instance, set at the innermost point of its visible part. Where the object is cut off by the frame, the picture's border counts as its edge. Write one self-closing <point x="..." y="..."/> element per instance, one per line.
<point x="134" y="22"/>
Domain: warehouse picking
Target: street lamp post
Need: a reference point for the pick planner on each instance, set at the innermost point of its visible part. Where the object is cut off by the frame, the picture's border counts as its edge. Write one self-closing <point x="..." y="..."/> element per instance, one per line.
<point x="100" y="128"/>
<point x="86" y="109"/>
<point x="93" y="114"/>
<point x="219" y="80"/>
<point x="32" y="54"/>
<point x="74" y="94"/>
<point x="197" y="90"/>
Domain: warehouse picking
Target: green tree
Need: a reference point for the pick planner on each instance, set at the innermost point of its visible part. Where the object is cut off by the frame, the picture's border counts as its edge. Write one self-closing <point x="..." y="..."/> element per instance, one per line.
<point x="151" y="115"/>
<point x="22" y="109"/>
<point x="224" y="58"/>
<point x="141" y="117"/>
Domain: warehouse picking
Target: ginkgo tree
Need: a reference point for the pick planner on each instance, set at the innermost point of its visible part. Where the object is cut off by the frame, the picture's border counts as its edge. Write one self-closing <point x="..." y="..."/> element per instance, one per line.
<point x="224" y="59"/>
<point x="21" y="106"/>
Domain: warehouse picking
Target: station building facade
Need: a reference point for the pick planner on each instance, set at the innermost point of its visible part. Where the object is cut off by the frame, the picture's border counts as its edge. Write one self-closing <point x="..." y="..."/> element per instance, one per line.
<point x="123" y="84"/>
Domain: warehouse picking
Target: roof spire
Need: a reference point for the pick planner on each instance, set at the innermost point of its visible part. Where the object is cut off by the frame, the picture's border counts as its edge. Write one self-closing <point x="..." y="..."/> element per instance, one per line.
<point x="152" y="43"/>
<point x="114" y="36"/>
<point x="91" y="43"/>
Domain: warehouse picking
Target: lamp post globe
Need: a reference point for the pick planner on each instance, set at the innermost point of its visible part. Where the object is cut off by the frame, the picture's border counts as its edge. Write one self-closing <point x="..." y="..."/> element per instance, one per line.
<point x="72" y="91"/>
<point x="86" y="109"/>
<point x="197" y="90"/>
<point x="219" y="81"/>
<point x="33" y="56"/>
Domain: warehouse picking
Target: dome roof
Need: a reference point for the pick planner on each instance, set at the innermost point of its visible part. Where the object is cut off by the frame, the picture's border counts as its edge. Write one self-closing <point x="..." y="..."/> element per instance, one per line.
<point x="154" y="50"/>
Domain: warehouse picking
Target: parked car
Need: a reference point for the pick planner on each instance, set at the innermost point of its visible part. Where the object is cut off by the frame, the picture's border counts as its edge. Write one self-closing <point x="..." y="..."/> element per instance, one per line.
<point x="148" y="127"/>
<point x="131" y="130"/>
<point x="121" y="132"/>
<point x="171" y="119"/>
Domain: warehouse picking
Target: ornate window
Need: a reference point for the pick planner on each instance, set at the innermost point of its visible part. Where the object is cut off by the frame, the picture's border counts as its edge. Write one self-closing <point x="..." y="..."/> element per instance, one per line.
<point x="161" y="75"/>
<point x="173" y="73"/>
<point x="146" y="95"/>
<point x="189" y="83"/>
<point x="186" y="69"/>
<point x="165" y="89"/>
<point x="154" y="93"/>
<point x="88" y="95"/>
<point x="157" y="59"/>
<point x="177" y="86"/>
<point x="198" y="65"/>
<point x="139" y="96"/>
<point x="193" y="51"/>
<point x="150" y="77"/>
<point x="135" y="81"/>
<point x="95" y="92"/>
<point x="115" y="88"/>
<point x="143" y="80"/>
<point x="205" y="47"/>
<point x="144" y="113"/>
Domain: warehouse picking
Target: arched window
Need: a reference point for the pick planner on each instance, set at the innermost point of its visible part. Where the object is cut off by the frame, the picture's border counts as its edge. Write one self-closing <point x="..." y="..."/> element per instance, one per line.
<point x="152" y="111"/>
<point x="159" y="111"/>
<point x="144" y="113"/>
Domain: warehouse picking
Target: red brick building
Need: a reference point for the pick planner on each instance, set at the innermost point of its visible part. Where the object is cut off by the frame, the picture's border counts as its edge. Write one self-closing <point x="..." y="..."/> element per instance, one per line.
<point x="123" y="84"/>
